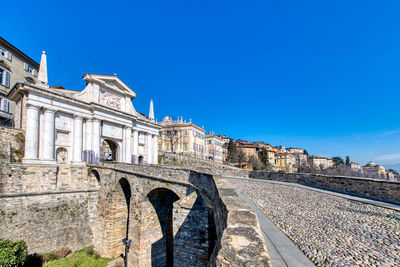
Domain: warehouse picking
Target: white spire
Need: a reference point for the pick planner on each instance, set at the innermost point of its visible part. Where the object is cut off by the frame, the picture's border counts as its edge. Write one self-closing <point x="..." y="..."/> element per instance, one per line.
<point x="151" y="111"/>
<point x="42" y="76"/>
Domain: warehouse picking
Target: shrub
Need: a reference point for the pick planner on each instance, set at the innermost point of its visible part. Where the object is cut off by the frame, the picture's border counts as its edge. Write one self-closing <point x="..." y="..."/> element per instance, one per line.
<point x="55" y="255"/>
<point x="90" y="252"/>
<point x="12" y="253"/>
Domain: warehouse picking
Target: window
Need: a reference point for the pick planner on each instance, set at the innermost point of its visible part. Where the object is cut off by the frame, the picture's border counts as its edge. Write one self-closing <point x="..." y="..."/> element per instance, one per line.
<point x="167" y="147"/>
<point x="28" y="68"/>
<point x="185" y="147"/>
<point x="5" y="78"/>
<point x="5" y="53"/>
<point x="5" y="106"/>
<point x="186" y="132"/>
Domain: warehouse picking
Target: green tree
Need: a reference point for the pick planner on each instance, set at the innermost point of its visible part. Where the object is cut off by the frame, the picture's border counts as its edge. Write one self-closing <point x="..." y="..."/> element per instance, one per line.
<point x="264" y="155"/>
<point x="306" y="152"/>
<point x="232" y="151"/>
<point x="347" y="161"/>
<point x="12" y="253"/>
<point x="241" y="158"/>
<point x="338" y="161"/>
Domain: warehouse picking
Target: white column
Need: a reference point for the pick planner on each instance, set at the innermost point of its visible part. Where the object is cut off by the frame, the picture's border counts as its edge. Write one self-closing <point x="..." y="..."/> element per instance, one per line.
<point x="48" y="132"/>
<point x="96" y="141"/>
<point x="149" y="148"/>
<point x="123" y="147"/>
<point x="136" y="145"/>
<point x="155" y="149"/>
<point x="32" y="132"/>
<point x="128" y="137"/>
<point x="88" y="140"/>
<point x="78" y="135"/>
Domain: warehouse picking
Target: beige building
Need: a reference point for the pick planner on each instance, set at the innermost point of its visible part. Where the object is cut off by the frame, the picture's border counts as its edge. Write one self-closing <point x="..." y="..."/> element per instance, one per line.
<point x="247" y="148"/>
<point x="295" y="150"/>
<point x="355" y="166"/>
<point x="298" y="153"/>
<point x="15" y="67"/>
<point x="182" y="137"/>
<point x="321" y="162"/>
<point x="270" y="151"/>
<point x="285" y="162"/>
<point x="214" y="150"/>
<point x="374" y="170"/>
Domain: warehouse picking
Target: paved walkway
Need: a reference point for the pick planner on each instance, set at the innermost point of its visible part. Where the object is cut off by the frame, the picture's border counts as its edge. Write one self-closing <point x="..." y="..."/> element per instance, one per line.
<point x="392" y="206"/>
<point x="282" y="251"/>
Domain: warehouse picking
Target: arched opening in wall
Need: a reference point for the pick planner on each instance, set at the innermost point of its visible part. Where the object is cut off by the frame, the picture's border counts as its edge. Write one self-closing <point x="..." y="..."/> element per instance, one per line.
<point x="93" y="179"/>
<point x="126" y="188"/>
<point x="162" y="251"/>
<point x="108" y="150"/>
<point x="62" y="155"/>
<point x="93" y="200"/>
<point x="141" y="160"/>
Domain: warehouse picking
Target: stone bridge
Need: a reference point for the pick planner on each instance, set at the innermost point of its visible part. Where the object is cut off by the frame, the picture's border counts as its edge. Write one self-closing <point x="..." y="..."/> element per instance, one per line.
<point x="171" y="216"/>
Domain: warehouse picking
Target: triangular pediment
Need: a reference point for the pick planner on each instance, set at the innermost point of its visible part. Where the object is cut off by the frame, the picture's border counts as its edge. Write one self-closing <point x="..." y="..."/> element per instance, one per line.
<point x="110" y="82"/>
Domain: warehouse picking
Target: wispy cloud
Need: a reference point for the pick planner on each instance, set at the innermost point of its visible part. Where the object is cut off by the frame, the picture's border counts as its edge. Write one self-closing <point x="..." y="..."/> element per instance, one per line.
<point x="387" y="133"/>
<point x="388" y="157"/>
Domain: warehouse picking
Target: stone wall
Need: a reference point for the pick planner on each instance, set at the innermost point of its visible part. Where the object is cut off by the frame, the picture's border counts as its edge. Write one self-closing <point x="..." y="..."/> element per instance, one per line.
<point x="46" y="222"/>
<point x="374" y="188"/>
<point x="11" y="145"/>
<point x="202" y="165"/>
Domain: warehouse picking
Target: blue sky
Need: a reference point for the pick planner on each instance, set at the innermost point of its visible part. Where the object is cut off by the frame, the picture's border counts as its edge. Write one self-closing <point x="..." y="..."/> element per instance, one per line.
<point x="323" y="75"/>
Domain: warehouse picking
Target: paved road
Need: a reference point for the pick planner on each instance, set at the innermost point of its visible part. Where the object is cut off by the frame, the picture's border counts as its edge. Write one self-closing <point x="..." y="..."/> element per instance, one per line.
<point x="387" y="205"/>
<point x="282" y="251"/>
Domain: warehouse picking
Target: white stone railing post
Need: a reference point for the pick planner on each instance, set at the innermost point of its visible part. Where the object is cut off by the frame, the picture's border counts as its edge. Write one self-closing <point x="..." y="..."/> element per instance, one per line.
<point x="32" y="132"/>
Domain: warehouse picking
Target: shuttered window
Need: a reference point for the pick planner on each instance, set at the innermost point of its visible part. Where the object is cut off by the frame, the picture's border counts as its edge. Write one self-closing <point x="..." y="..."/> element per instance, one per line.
<point x="7" y="79"/>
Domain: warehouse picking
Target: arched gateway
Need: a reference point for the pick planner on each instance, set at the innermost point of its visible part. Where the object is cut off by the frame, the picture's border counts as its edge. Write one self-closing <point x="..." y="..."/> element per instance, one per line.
<point x="81" y="120"/>
<point x="152" y="221"/>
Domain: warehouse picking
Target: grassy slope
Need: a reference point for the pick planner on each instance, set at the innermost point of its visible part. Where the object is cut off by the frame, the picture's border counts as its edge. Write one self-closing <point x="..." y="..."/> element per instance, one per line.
<point x="80" y="258"/>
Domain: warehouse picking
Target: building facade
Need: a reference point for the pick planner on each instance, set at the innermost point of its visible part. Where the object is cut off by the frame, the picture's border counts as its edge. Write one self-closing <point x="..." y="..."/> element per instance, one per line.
<point x="15" y="67"/>
<point x="321" y="162"/>
<point x="285" y="161"/>
<point x="77" y="127"/>
<point x="373" y="170"/>
<point x="182" y="137"/>
<point x="214" y="149"/>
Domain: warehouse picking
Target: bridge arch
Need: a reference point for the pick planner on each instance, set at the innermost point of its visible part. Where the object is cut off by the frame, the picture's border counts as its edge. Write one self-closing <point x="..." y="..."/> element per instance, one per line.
<point x="162" y="200"/>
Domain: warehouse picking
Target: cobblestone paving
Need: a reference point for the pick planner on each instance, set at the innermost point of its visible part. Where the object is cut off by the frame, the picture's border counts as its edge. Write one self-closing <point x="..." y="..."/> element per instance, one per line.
<point x="330" y="230"/>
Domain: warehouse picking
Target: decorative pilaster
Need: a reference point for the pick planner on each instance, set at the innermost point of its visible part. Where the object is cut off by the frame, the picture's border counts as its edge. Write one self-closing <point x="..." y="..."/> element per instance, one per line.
<point x="155" y="149"/>
<point x="96" y="141"/>
<point x="149" y="149"/>
<point x="128" y="137"/>
<point x="88" y="153"/>
<point x="31" y="133"/>
<point x="78" y="140"/>
<point x="135" y="146"/>
<point x="49" y="134"/>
